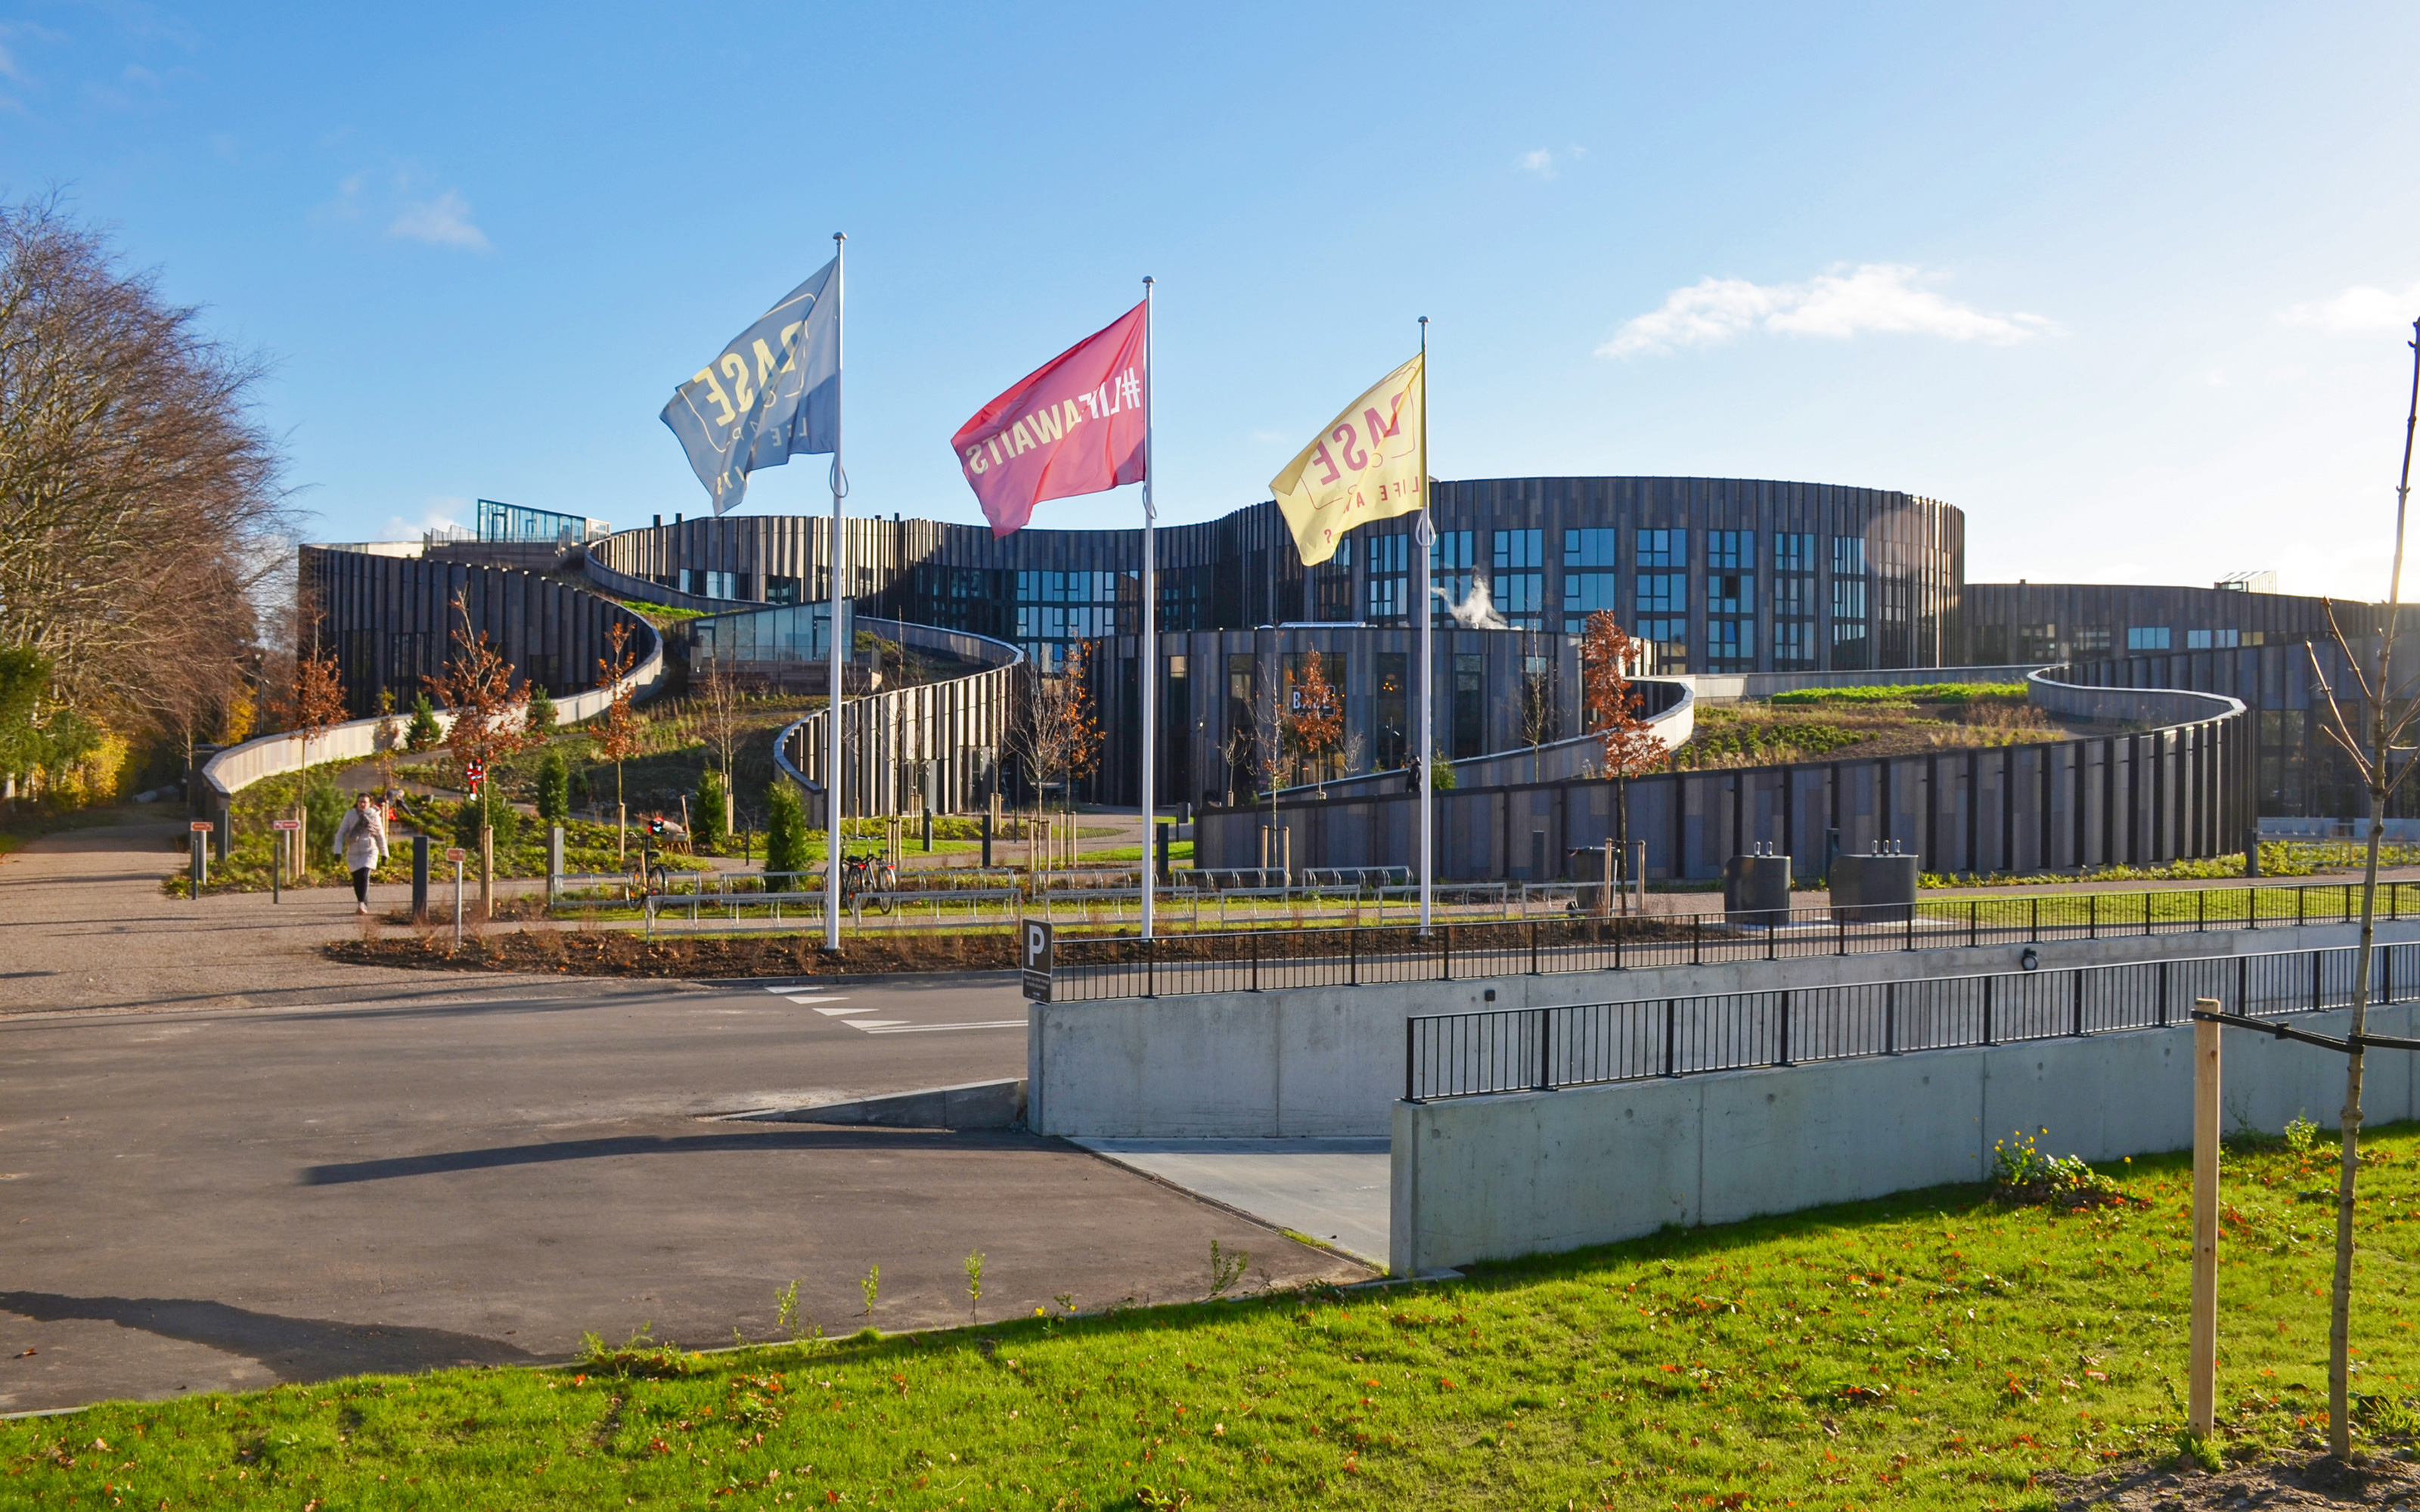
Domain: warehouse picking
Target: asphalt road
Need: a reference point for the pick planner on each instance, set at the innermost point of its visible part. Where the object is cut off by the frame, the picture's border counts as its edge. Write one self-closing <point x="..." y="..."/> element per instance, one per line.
<point x="481" y="1170"/>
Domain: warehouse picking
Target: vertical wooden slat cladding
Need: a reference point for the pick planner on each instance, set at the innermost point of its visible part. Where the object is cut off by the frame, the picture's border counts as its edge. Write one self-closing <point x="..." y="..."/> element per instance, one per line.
<point x="405" y="607"/>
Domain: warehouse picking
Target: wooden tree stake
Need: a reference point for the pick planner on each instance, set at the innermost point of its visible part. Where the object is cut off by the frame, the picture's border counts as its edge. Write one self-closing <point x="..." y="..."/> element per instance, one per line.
<point x="2202" y="1399"/>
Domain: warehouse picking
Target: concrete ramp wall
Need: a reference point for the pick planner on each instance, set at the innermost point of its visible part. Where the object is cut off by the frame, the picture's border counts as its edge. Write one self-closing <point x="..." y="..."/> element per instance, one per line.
<point x="1492" y="1178"/>
<point x="1327" y="1063"/>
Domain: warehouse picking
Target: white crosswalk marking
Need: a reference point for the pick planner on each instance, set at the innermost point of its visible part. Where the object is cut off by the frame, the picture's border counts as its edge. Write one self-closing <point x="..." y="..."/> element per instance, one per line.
<point x="868" y="1024"/>
<point x="843" y="998"/>
<point x="877" y="1026"/>
<point x="836" y="1012"/>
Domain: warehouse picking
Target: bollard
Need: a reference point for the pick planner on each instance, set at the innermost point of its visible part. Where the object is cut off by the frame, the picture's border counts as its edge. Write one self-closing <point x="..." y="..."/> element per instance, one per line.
<point x="1160" y="833"/>
<point x="458" y="900"/>
<point x="201" y="864"/>
<point x="276" y="871"/>
<point x="928" y="829"/>
<point x="554" y="864"/>
<point x="420" y="879"/>
<point x="986" y="833"/>
<point x="486" y="872"/>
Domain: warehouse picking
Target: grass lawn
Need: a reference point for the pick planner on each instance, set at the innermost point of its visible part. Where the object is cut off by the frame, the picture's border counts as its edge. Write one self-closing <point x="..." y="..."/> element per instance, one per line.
<point x="2116" y="912"/>
<point x="1933" y="1350"/>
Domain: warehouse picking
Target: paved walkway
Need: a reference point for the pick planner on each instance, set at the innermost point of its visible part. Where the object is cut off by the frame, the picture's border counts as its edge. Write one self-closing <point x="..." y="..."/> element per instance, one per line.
<point x="227" y="1161"/>
<point x="1336" y="1191"/>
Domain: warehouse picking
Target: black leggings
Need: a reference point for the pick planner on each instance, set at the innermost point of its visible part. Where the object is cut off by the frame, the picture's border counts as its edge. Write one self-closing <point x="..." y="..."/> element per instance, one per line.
<point x="361" y="883"/>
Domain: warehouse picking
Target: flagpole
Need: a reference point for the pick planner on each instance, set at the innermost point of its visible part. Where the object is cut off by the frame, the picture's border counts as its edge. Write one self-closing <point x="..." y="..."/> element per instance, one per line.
<point x="1427" y="537"/>
<point x="839" y="651"/>
<point x="1150" y="634"/>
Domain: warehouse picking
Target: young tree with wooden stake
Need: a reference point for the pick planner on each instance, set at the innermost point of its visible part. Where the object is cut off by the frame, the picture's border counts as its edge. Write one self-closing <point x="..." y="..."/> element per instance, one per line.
<point x="616" y="735"/>
<point x="1632" y="747"/>
<point x="319" y="708"/>
<point x="1314" y="724"/>
<point x="1537" y="702"/>
<point x="2386" y="732"/>
<point x="722" y="716"/>
<point x="490" y="723"/>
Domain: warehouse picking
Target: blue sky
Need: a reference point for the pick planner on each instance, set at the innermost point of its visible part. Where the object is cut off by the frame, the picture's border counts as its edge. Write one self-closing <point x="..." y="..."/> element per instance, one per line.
<point x="2130" y="285"/>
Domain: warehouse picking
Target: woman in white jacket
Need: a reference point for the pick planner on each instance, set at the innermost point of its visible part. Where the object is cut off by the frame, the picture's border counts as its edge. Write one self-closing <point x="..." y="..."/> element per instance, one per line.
<point x="361" y="840"/>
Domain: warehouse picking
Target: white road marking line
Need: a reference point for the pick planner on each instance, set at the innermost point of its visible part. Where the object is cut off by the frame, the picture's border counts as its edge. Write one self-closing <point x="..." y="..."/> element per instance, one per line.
<point x="836" y="1012"/>
<point x="843" y="998"/>
<point x="872" y="1027"/>
<point x="867" y="1024"/>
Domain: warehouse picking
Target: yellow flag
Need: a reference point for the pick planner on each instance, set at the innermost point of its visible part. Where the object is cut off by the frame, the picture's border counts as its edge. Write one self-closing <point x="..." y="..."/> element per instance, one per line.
<point x="1365" y="465"/>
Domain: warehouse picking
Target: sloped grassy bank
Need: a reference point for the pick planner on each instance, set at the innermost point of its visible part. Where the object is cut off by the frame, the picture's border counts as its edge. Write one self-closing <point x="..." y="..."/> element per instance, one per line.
<point x="1935" y="1350"/>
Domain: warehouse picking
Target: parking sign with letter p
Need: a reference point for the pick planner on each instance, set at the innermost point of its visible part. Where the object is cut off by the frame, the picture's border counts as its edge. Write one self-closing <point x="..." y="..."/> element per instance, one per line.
<point x="1036" y="956"/>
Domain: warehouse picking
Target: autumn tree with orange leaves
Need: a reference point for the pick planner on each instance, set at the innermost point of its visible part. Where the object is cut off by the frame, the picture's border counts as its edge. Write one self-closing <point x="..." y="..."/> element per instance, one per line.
<point x="1631" y="749"/>
<point x="1314" y="725"/>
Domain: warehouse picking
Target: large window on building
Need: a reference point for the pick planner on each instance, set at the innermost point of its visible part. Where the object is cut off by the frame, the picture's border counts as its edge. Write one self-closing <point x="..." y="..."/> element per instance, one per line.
<point x="1590" y="549"/>
<point x="1519" y="587"/>
<point x="1390" y="743"/>
<point x="1386" y="569"/>
<point x="1080" y="606"/>
<point x="2212" y="639"/>
<point x="1469" y="705"/>
<point x="1663" y="592"/>
<point x="1584" y="594"/>
<point x="1794" y="645"/>
<point x="2092" y="640"/>
<point x="1663" y="548"/>
<point x="1237" y="742"/>
<point x="2038" y="642"/>
<point x="1450" y="564"/>
<point x="1730" y="645"/>
<point x="1331" y="585"/>
<point x="1671" y="638"/>
<point x="2146" y="638"/>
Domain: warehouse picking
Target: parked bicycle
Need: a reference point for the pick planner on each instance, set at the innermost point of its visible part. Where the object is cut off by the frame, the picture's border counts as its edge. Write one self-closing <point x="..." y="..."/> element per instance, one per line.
<point x="869" y="875"/>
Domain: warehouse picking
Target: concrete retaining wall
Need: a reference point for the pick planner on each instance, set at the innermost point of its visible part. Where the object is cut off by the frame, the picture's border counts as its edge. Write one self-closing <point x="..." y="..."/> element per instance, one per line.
<point x="1492" y="1177"/>
<point x="1328" y="1061"/>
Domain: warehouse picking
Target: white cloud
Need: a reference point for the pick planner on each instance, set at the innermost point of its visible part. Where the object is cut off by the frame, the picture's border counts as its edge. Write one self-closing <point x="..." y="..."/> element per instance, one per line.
<point x="2358" y="311"/>
<point x="1540" y="162"/>
<point x="441" y="514"/>
<point x="1269" y="437"/>
<point x="1874" y="297"/>
<point x="443" y="222"/>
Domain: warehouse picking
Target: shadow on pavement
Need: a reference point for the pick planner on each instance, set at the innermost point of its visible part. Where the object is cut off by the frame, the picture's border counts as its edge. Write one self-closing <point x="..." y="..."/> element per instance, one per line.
<point x="297" y="1348"/>
<point x="505" y="1155"/>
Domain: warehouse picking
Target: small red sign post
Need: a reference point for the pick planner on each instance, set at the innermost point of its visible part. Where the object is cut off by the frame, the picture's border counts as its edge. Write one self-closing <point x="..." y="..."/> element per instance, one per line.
<point x="201" y="873"/>
<point x="277" y="857"/>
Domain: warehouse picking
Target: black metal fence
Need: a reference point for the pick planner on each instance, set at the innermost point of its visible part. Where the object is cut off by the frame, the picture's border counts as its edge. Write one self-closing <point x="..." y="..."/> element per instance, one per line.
<point x="1538" y="1049"/>
<point x="1097" y="967"/>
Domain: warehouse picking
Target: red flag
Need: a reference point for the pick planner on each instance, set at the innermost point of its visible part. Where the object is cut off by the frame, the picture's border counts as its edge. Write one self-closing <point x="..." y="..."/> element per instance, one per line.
<point x="1073" y="426"/>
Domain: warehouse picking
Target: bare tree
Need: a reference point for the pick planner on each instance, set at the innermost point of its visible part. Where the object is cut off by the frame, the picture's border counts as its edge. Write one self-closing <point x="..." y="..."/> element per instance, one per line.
<point x="723" y="720"/>
<point x="141" y="521"/>
<point x="1052" y="729"/>
<point x="1537" y="705"/>
<point x="618" y="733"/>
<point x="2369" y="735"/>
<point x="1269" y="759"/>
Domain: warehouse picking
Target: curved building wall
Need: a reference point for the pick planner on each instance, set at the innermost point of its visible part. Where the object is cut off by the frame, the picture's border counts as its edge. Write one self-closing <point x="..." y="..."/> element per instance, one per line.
<point x="1724" y="575"/>
<point x="1732" y="575"/>
<point x="2044" y="623"/>
<point x="390" y="622"/>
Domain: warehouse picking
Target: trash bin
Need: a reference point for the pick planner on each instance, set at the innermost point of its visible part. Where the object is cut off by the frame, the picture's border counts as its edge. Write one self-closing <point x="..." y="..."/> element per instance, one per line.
<point x="1756" y="889"/>
<point x="1876" y="889"/>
